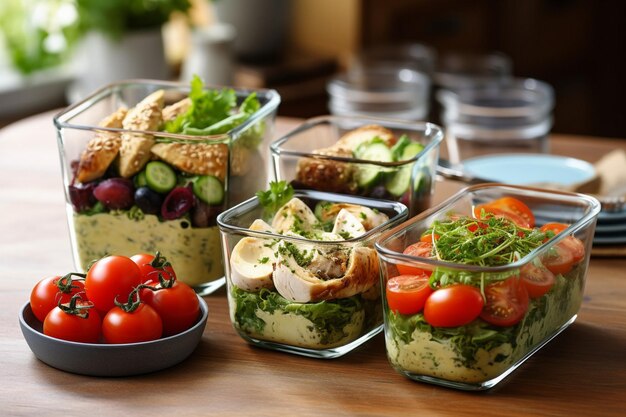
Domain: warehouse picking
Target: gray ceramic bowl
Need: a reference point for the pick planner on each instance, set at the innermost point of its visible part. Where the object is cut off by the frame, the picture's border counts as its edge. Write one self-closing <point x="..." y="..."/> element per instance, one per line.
<point x="111" y="360"/>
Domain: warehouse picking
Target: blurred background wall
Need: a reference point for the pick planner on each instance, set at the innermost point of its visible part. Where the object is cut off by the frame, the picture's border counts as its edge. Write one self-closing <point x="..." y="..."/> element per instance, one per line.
<point x="575" y="45"/>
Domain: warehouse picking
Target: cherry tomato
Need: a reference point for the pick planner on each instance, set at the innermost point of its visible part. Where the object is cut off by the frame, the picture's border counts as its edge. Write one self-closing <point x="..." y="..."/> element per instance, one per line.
<point x="110" y="278"/>
<point x="456" y="305"/>
<point x="73" y="327"/>
<point x="429" y="238"/>
<point x="140" y="325"/>
<point x="178" y="306"/>
<point x="537" y="279"/>
<point x="49" y="292"/>
<point x="575" y="246"/>
<point x="510" y="208"/>
<point x="561" y="258"/>
<point x="420" y="250"/>
<point x="148" y="271"/>
<point x="506" y="302"/>
<point x="555" y="228"/>
<point x="406" y="294"/>
<point x="558" y="259"/>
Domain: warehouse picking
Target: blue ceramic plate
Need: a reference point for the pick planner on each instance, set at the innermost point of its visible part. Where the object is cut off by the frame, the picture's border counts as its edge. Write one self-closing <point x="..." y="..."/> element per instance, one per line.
<point x="528" y="169"/>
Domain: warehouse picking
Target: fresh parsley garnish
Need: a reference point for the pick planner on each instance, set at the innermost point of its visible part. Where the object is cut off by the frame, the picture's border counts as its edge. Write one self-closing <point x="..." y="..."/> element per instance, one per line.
<point x="278" y="195"/>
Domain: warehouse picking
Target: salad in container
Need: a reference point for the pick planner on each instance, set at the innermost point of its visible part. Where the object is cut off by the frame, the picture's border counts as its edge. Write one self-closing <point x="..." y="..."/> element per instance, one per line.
<point x="475" y="286"/>
<point x="148" y="165"/>
<point x="301" y="270"/>
<point x="368" y="157"/>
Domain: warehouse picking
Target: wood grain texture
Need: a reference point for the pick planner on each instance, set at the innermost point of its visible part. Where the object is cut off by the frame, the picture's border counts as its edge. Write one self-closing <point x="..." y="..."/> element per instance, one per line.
<point x="582" y="372"/>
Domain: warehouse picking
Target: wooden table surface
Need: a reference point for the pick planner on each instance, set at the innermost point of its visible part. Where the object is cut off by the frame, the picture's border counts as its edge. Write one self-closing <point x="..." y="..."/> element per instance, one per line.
<point x="582" y="372"/>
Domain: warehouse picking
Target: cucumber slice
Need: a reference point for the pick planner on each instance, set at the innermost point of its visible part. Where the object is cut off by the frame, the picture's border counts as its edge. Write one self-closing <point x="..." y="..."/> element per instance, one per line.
<point x="140" y="180"/>
<point x="399" y="183"/>
<point x="398" y="148"/>
<point x="374" y="151"/>
<point x="160" y="177"/>
<point x="208" y="189"/>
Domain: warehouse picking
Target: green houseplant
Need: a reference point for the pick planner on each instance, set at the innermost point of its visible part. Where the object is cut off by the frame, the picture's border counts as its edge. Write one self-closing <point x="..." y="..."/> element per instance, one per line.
<point x="123" y="39"/>
<point x="117" y="17"/>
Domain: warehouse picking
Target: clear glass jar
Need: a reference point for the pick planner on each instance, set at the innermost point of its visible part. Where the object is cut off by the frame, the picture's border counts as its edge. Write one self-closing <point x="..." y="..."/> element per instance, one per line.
<point x="206" y="174"/>
<point x="511" y="117"/>
<point x="460" y="70"/>
<point x="416" y="56"/>
<point x="380" y="91"/>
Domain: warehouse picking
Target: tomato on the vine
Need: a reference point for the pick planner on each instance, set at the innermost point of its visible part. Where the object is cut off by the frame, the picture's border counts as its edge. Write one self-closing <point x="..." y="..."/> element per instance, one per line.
<point x="151" y="266"/>
<point x="506" y="302"/>
<point x="75" y="321"/>
<point x="178" y="305"/>
<point x="110" y="278"/>
<point x="421" y="250"/>
<point x="456" y="305"/>
<point x="51" y="291"/>
<point x="406" y="294"/>
<point x="140" y="325"/>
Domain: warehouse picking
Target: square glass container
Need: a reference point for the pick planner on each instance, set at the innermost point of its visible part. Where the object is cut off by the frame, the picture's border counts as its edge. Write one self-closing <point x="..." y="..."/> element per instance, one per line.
<point x="165" y="193"/>
<point x="311" y="157"/>
<point x="524" y="300"/>
<point x="340" y="311"/>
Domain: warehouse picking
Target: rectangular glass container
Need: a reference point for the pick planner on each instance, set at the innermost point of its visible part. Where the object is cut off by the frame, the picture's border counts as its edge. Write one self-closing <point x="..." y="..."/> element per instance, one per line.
<point x="211" y="173"/>
<point x="479" y="354"/>
<point x="326" y="325"/>
<point x="310" y="158"/>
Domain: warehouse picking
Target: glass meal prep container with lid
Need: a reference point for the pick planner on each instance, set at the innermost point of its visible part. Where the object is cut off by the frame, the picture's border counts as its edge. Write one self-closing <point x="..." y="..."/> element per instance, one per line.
<point x="364" y="156"/>
<point x="305" y="279"/>
<point x="148" y="165"/>
<point x="475" y="286"/>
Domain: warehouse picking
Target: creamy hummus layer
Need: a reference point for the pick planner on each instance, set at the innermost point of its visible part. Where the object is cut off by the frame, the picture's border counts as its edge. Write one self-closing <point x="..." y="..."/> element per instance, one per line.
<point x="295" y="330"/>
<point x="195" y="253"/>
<point x="426" y="356"/>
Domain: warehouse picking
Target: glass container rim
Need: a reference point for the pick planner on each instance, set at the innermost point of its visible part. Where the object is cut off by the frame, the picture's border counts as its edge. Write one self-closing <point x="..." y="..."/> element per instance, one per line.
<point x="430" y="129"/>
<point x="61" y="119"/>
<point x="401" y="212"/>
<point x="540" y="96"/>
<point x="389" y="254"/>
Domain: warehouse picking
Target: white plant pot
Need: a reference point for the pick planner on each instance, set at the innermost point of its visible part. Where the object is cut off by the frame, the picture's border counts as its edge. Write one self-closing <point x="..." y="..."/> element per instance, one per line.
<point x="102" y="60"/>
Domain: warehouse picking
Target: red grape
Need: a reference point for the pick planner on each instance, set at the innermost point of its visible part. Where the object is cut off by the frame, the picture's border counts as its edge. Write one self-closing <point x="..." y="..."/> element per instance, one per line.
<point x="178" y="202"/>
<point x="115" y="193"/>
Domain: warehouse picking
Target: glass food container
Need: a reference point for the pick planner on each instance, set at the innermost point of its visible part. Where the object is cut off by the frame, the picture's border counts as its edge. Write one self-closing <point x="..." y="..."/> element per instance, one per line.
<point x="470" y="295"/>
<point x="316" y="296"/>
<point x="132" y="187"/>
<point x="511" y="117"/>
<point x="383" y="90"/>
<point x="370" y="157"/>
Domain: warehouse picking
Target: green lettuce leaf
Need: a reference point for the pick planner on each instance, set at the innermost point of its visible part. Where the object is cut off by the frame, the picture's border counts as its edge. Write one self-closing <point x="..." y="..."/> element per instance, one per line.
<point x="328" y="317"/>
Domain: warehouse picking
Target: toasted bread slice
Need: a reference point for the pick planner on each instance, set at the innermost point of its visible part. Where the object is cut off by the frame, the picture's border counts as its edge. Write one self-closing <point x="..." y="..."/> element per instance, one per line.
<point x="356" y="137"/>
<point x="327" y="175"/>
<point x="195" y="158"/>
<point x="101" y="149"/>
<point x="172" y="111"/>
<point x="135" y="148"/>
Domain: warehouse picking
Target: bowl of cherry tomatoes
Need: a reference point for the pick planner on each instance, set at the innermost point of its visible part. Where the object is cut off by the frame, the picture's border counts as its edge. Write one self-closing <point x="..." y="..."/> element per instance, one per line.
<point x="125" y="316"/>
